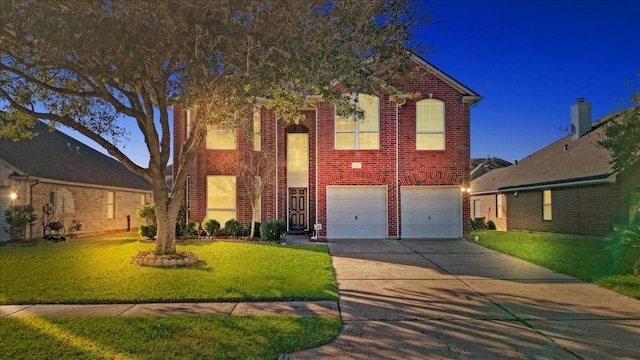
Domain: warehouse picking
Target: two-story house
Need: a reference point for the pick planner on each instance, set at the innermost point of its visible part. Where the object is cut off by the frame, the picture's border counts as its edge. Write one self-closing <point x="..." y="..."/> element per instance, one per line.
<point x="401" y="171"/>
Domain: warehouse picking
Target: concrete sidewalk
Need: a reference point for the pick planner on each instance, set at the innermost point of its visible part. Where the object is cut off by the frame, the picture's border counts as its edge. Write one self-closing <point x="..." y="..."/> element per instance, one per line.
<point x="292" y="308"/>
<point x="452" y="299"/>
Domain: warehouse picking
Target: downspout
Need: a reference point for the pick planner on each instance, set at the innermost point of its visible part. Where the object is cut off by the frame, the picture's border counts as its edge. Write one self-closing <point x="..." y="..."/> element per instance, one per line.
<point x="315" y="232"/>
<point x="31" y="203"/>
<point x="277" y="166"/>
<point x="398" y="104"/>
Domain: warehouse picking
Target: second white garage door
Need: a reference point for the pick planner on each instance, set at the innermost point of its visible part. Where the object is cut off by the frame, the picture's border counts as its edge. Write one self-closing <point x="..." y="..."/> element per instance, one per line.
<point x="431" y="212"/>
<point x="356" y="212"/>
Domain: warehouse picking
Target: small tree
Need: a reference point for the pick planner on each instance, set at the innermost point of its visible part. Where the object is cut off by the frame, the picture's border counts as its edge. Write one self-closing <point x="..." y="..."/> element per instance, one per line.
<point x="256" y="173"/>
<point x="18" y="217"/>
<point x="147" y="212"/>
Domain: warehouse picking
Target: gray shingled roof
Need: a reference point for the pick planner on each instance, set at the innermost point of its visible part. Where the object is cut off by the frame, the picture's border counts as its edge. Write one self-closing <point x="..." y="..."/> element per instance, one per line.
<point x="564" y="161"/>
<point x="57" y="156"/>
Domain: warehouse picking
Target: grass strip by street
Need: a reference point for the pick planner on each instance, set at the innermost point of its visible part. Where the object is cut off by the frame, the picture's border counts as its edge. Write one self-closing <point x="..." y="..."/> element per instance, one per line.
<point x="99" y="270"/>
<point x="167" y="337"/>
<point x="591" y="260"/>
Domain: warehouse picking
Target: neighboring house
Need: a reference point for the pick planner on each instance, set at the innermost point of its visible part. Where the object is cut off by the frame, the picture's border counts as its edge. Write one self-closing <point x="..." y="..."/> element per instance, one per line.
<point x="481" y="166"/>
<point x="396" y="173"/>
<point x="65" y="180"/>
<point x="567" y="187"/>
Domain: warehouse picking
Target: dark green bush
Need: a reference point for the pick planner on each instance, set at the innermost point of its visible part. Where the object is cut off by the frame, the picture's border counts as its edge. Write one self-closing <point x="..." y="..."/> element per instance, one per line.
<point x="211" y="226"/>
<point x="233" y="227"/>
<point x="147" y="231"/>
<point x="271" y="230"/>
<point x="256" y="229"/>
<point x="190" y="230"/>
<point x="18" y="217"/>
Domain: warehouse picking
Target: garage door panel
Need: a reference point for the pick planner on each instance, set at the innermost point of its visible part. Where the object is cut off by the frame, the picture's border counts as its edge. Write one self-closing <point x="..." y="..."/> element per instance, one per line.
<point x="431" y="212"/>
<point x="356" y="212"/>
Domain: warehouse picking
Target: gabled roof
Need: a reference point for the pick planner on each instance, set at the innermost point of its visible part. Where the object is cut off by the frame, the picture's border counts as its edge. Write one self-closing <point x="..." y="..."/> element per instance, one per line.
<point x="469" y="95"/>
<point x="564" y="162"/>
<point x="53" y="155"/>
<point x="481" y="166"/>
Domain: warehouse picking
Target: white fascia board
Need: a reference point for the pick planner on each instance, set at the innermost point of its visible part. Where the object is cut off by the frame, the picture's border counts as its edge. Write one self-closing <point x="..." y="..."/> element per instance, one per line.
<point x="446" y="78"/>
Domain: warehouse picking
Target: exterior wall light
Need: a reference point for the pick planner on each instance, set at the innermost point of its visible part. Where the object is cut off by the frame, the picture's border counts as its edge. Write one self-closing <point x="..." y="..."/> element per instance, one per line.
<point x="13" y="196"/>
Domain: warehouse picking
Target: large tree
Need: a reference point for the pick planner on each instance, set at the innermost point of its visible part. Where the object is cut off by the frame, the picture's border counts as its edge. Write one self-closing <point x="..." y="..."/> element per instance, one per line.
<point x="622" y="137"/>
<point x="106" y="67"/>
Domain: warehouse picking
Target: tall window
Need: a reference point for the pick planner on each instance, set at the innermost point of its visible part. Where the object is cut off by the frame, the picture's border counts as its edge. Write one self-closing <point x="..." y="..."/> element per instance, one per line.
<point x="499" y="208"/>
<point x="220" y="138"/>
<point x="430" y="125"/>
<point x="143" y="199"/>
<point x="221" y="198"/>
<point x="477" y="208"/>
<point x="257" y="141"/>
<point x="111" y="204"/>
<point x="546" y="204"/>
<point x="363" y="134"/>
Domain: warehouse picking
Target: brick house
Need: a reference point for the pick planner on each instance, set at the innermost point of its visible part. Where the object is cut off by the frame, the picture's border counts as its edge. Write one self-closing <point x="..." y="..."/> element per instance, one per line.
<point x="397" y="173"/>
<point x="566" y="187"/>
<point x="65" y="180"/>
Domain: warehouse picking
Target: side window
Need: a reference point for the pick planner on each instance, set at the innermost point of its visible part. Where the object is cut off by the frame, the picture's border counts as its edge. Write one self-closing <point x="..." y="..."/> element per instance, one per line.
<point x="477" y="208"/>
<point x="430" y="125"/>
<point x="546" y="205"/>
<point x="360" y="134"/>
<point x="111" y="204"/>
<point x="499" y="207"/>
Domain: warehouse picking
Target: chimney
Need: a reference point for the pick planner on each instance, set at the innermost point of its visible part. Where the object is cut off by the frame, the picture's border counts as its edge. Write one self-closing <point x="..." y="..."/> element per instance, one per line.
<point x="580" y="118"/>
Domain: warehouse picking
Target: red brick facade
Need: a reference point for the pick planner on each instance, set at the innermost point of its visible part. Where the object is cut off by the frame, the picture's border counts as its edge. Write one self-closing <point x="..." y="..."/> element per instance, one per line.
<point x="394" y="164"/>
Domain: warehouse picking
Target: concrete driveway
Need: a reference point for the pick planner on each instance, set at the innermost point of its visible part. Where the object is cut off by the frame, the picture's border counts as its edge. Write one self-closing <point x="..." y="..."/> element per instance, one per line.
<point x="444" y="299"/>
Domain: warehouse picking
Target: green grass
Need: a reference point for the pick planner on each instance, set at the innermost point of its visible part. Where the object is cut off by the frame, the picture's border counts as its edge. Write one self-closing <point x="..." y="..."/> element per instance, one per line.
<point x="590" y="260"/>
<point x="99" y="270"/>
<point x="170" y="337"/>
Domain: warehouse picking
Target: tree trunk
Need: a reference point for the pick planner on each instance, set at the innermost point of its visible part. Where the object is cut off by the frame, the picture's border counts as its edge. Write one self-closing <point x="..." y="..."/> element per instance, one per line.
<point x="166" y="209"/>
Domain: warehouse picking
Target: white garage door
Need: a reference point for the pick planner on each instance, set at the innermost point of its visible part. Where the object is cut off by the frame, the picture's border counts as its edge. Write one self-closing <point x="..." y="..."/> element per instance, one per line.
<point x="431" y="212"/>
<point x="356" y="212"/>
<point x="4" y="204"/>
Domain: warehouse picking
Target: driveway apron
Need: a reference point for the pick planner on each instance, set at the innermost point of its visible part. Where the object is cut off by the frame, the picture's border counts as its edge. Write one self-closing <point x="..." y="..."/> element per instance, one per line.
<point x="450" y="298"/>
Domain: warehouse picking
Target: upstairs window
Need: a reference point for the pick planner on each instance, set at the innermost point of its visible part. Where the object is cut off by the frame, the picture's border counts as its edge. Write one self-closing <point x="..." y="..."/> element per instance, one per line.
<point x="219" y="138"/>
<point x="257" y="141"/>
<point x="430" y="125"/>
<point x="360" y="134"/>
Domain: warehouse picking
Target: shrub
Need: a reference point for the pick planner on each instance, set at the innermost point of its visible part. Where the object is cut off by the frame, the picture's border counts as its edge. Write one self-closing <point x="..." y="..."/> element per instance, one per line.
<point x="148" y="231"/>
<point x="233" y="227"/>
<point x="271" y="230"/>
<point x="18" y="217"/>
<point x="211" y="226"/>
<point x="148" y="212"/>
<point x="490" y="225"/>
<point x="190" y="230"/>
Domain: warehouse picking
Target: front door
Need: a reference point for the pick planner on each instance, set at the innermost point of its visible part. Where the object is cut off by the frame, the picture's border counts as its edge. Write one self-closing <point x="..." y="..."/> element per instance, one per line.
<point x="297" y="209"/>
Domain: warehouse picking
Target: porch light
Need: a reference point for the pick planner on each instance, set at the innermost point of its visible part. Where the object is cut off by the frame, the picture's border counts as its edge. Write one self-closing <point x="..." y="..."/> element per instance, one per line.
<point x="13" y="196"/>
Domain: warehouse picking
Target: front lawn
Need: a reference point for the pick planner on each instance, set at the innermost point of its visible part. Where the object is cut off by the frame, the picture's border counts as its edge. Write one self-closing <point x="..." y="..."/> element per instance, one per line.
<point x="169" y="337"/>
<point x="590" y="260"/>
<point x="99" y="270"/>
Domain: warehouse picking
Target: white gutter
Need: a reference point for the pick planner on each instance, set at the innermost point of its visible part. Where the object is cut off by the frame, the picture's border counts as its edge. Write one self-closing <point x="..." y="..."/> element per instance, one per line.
<point x="70" y="183"/>
<point x="608" y="180"/>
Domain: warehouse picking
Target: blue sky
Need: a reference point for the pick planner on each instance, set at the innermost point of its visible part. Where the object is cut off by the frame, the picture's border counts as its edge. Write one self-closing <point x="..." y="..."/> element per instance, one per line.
<point x="530" y="60"/>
